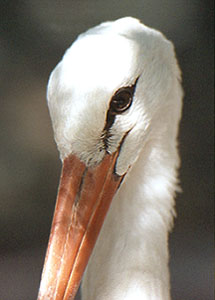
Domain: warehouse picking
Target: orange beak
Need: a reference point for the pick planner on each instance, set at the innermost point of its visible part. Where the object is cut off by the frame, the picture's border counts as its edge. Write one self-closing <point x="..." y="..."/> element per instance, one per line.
<point x="83" y="200"/>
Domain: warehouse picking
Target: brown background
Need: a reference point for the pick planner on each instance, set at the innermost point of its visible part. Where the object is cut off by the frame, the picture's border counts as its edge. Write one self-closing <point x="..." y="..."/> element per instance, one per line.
<point x="33" y="37"/>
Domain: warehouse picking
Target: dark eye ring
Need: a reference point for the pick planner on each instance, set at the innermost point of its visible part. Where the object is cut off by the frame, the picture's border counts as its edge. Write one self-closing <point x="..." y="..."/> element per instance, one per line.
<point x="121" y="100"/>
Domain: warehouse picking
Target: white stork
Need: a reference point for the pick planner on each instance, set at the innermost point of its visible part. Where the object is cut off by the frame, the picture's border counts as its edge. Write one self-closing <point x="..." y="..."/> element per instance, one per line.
<point x="115" y="102"/>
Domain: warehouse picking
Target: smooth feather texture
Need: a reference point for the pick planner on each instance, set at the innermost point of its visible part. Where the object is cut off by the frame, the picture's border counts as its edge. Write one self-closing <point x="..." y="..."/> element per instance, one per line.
<point x="130" y="259"/>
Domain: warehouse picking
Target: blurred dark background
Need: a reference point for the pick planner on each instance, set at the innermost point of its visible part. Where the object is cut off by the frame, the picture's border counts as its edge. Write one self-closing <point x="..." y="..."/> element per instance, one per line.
<point x="33" y="38"/>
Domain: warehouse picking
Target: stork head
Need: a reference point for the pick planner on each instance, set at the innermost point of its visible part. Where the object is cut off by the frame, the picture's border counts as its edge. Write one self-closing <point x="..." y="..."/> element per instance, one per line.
<point x="116" y="87"/>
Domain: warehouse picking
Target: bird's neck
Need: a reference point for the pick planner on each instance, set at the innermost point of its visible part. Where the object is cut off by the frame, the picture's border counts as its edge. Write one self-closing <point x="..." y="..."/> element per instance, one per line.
<point x="130" y="260"/>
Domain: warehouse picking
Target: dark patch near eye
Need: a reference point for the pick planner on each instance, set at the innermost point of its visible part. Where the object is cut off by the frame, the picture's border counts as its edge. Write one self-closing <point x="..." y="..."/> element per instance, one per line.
<point x="120" y="102"/>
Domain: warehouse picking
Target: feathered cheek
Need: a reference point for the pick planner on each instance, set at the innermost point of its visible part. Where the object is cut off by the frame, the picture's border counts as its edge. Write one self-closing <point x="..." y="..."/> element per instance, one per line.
<point x="131" y="145"/>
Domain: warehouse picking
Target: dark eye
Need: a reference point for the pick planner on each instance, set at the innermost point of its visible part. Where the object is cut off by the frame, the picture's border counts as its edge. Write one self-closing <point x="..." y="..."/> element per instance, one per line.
<point x="121" y="100"/>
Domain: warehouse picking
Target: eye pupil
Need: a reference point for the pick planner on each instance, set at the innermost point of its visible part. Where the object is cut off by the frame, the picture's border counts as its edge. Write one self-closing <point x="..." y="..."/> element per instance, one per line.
<point x="121" y="101"/>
